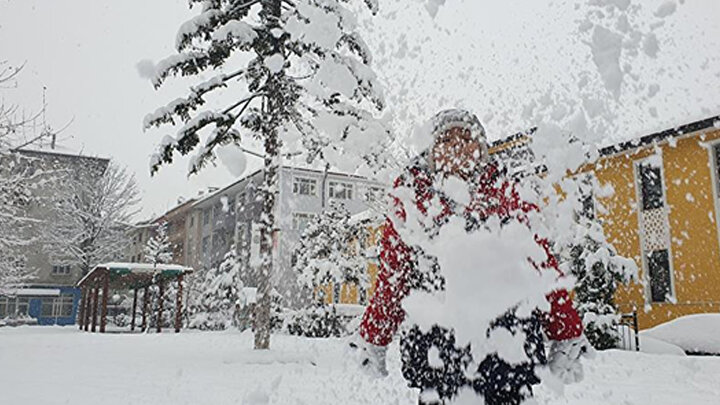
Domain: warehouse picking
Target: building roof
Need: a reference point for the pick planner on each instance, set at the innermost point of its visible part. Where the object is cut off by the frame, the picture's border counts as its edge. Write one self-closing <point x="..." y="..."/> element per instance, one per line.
<point x="520" y="139"/>
<point x="707" y="123"/>
<point x="52" y="152"/>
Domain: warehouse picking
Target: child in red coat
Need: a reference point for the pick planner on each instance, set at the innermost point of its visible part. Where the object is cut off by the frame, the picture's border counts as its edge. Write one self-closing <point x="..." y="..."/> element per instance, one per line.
<point x="460" y="150"/>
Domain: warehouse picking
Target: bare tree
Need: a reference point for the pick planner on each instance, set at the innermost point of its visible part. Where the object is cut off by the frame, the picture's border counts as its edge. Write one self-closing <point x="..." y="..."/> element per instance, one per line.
<point x="16" y="183"/>
<point x="91" y="217"/>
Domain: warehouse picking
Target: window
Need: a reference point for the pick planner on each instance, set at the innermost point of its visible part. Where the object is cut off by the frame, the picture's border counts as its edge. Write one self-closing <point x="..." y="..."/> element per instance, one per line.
<point x="650" y="186"/>
<point x="301" y="220"/>
<point x="3" y="307"/>
<point x="46" y="307"/>
<point x="11" y="307"/>
<point x="55" y="307"/>
<point x="304" y="186"/>
<point x="660" y="277"/>
<point x="60" y="269"/>
<point x="192" y="220"/>
<point x="206" y="216"/>
<point x="340" y="190"/>
<point x="22" y="306"/>
<point x="205" y="245"/>
<point x="337" y="289"/>
<point x="231" y="205"/>
<point x="373" y="194"/>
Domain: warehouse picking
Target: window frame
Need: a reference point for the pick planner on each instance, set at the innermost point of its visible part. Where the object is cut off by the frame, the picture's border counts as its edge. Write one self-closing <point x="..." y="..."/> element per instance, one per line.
<point x="669" y="296"/>
<point x="663" y="196"/>
<point x="308" y="181"/>
<point x="310" y="216"/>
<point x="347" y="187"/>
<point x="647" y="293"/>
<point x="714" y="166"/>
<point x="60" y="270"/>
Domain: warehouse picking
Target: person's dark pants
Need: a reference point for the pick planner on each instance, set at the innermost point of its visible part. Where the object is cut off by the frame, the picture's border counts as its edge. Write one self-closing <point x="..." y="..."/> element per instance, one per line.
<point x="496" y="380"/>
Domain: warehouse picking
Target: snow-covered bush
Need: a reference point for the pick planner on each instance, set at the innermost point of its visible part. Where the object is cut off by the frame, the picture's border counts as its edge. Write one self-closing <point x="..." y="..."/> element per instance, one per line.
<point x="316" y="321"/>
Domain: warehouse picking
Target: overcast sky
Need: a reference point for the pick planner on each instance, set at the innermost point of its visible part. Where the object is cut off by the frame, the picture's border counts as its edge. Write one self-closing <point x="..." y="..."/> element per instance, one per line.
<point x="490" y="57"/>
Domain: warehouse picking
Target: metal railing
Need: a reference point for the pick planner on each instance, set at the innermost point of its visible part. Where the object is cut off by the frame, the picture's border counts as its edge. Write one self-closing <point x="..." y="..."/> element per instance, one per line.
<point x="628" y="331"/>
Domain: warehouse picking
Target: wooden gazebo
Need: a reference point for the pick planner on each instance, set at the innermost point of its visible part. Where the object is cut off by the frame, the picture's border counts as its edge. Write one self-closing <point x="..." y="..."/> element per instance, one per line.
<point x="96" y="285"/>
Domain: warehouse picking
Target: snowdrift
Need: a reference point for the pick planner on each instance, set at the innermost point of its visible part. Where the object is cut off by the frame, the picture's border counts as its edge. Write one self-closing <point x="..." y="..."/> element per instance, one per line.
<point x="695" y="334"/>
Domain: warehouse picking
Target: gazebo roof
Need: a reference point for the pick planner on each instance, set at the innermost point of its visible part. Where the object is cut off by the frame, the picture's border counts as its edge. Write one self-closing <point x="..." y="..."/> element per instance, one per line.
<point x="134" y="274"/>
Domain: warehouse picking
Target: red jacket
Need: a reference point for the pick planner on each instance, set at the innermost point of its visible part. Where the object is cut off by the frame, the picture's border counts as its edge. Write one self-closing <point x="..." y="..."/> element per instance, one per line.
<point x="384" y="314"/>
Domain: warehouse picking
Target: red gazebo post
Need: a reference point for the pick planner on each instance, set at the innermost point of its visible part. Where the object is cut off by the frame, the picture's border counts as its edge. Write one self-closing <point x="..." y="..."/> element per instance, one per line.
<point x="145" y="308"/>
<point x="161" y="285"/>
<point x="134" y="309"/>
<point x="178" y="304"/>
<point x="103" y="316"/>
<point x="81" y="312"/>
<point x="94" y="308"/>
<point x="86" y="321"/>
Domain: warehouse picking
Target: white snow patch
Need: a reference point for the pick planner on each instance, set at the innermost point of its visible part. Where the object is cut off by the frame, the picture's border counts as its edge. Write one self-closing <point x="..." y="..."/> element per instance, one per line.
<point x="433" y="6"/>
<point x="434" y="358"/>
<point x="693" y="333"/>
<point x="145" y="68"/>
<point x="222" y="368"/>
<point x="666" y="9"/>
<point x="275" y="63"/>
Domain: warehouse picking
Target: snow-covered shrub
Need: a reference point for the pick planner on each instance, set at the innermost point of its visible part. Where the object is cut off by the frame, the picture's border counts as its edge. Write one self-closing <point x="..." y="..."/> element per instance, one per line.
<point x="316" y="321"/>
<point x="598" y="270"/>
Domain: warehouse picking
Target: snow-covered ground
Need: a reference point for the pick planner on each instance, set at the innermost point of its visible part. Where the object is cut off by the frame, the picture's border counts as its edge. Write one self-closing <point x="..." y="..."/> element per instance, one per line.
<point x="53" y="365"/>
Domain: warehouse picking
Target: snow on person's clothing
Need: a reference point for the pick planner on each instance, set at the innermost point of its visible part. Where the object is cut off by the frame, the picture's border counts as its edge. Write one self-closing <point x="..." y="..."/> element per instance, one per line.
<point x="494" y="196"/>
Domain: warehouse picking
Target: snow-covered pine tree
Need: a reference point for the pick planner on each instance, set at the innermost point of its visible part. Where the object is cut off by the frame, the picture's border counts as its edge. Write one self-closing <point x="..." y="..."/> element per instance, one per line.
<point x="599" y="271"/>
<point x="328" y="252"/>
<point x="216" y="307"/>
<point x="306" y="90"/>
<point x="158" y="249"/>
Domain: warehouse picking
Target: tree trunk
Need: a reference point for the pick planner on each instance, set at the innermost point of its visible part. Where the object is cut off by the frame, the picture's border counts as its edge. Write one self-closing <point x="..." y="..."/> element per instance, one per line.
<point x="270" y="184"/>
<point x="272" y="107"/>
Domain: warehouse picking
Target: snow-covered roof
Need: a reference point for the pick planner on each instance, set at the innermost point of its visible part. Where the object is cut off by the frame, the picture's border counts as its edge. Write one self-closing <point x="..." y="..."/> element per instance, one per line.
<point x="710" y="123"/>
<point x="138" y="268"/>
<point x="35" y="292"/>
<point x="60" y="152"/>
<point x="365" y="216"/>
<point x="349" y="309"/>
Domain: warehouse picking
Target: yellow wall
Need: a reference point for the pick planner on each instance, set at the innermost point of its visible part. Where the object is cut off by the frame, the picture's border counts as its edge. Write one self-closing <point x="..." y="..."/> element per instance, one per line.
<point x="349" y="292"/>
<point x="694" y="234"/>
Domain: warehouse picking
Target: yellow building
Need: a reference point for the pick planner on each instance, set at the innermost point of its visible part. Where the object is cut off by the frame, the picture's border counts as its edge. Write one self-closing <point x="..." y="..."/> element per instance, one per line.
<point x="664" y="213"/>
